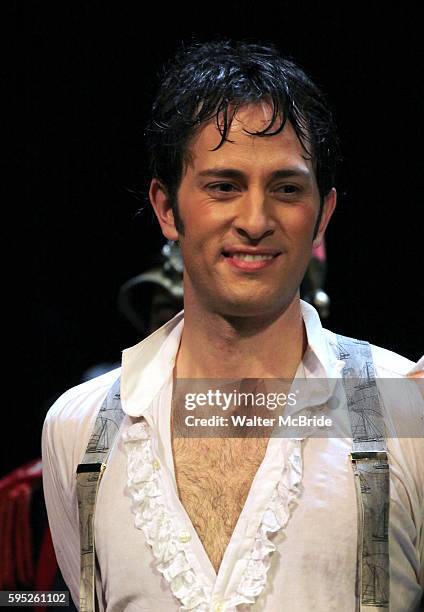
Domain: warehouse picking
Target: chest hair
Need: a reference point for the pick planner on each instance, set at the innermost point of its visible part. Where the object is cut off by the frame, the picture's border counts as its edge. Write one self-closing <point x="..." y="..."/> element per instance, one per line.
<point x="214" y="477"/>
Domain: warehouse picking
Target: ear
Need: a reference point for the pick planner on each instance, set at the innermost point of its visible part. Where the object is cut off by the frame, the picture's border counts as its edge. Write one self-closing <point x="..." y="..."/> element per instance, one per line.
<point x="328" y="207"/>
<point x="162" y="206"/>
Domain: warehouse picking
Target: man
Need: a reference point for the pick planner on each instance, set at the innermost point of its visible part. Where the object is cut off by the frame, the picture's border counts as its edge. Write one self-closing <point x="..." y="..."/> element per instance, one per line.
<point x="243" y="151"/>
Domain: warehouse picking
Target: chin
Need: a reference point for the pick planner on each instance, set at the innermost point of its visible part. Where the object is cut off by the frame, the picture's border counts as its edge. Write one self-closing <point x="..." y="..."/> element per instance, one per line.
<point x="243" y="308"/>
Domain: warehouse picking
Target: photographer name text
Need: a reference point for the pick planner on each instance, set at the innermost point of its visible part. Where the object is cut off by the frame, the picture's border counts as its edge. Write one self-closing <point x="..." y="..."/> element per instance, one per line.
<point x="258" y="421"/>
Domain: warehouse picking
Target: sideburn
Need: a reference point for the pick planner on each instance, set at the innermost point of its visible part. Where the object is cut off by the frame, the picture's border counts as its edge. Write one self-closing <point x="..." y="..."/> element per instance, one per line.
<point x="179" y="225"/>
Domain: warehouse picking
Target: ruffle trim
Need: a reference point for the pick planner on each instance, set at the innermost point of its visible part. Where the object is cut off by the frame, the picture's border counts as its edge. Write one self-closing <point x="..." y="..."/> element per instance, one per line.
<point x="274" y="519"/>
<point x="167" y="540"/>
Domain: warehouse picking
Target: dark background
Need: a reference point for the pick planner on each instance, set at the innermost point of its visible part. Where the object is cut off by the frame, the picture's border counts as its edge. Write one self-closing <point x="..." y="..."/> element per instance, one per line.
<point x="89" y="74"/>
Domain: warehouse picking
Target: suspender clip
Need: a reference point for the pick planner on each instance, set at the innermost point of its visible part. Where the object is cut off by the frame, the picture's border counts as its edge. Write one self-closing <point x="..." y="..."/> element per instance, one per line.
<point x="371" y="455"/>
<point x="91" y="467"/>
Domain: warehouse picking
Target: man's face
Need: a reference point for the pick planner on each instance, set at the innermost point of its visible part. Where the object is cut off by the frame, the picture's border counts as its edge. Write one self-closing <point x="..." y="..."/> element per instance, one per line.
<point x="253" y="194"/>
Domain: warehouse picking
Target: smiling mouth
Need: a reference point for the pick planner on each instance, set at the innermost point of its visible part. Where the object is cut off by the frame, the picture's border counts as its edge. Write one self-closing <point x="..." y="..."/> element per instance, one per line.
<point x="245" y="256"/>
<point x="250" y="261"/>
<point x="249" y="257"/>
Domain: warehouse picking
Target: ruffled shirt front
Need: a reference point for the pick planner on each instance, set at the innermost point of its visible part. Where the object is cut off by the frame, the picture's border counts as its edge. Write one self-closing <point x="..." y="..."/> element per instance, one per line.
<point x="170" y="541"/>
<point x="294" y="545"/>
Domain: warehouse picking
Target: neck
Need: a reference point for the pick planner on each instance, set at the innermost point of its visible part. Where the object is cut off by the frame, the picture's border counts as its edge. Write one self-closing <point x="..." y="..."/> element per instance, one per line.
<point x="216" y="346"/>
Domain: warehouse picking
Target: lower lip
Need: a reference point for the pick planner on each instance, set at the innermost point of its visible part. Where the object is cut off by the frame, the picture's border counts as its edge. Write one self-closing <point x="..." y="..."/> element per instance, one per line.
<point x="241" y="264"/>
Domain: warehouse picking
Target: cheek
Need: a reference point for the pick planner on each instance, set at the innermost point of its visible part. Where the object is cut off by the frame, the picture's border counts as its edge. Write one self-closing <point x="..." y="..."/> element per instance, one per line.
<point x="204" y="228"/>
<point x="300" y="225"/>
<point x="300" y="237"/>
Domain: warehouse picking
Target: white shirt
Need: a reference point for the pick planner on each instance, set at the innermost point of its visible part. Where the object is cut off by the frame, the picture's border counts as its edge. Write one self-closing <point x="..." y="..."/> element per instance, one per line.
<point x="297" y="530"/>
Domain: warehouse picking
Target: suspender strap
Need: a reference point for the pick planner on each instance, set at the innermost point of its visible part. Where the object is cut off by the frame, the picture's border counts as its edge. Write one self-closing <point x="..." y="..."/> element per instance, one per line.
<point x="371" y="472"/>
<point x="89" y="475"/>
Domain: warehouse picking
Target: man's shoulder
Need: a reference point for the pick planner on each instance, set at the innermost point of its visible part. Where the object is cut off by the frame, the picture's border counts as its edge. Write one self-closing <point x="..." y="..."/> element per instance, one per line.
<point x="387" y="363"/>
<point x="70" y="420"/>
<point x="68" y="426"/>
<point x="83" y="400"/>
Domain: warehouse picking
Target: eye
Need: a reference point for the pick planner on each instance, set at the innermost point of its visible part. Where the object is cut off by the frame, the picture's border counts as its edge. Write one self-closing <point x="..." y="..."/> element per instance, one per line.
<point x="221" y="187"/>
<point x="288" y="189"/>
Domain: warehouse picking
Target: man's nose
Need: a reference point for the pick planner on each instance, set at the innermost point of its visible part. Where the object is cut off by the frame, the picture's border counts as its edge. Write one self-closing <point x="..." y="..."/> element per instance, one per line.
<point x="253" y="216"/>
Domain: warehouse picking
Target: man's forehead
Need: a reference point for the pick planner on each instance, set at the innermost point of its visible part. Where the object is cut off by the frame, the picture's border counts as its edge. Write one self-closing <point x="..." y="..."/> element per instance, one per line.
<point x="260" y="113"/>
<point x="248" y="120"/>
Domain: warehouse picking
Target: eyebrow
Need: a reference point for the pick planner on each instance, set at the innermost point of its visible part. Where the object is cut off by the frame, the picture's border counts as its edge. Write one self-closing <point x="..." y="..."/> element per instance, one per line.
<point x="238" y="174"/>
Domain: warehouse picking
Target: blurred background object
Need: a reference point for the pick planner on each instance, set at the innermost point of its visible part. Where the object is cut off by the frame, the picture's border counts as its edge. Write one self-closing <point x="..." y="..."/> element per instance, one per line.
<point x="312" y="287"/>
<point x="152" y="298"/>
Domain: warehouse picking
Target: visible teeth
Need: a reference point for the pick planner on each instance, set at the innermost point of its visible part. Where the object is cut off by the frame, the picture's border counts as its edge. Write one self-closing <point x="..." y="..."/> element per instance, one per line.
<point x="246" y="257"/>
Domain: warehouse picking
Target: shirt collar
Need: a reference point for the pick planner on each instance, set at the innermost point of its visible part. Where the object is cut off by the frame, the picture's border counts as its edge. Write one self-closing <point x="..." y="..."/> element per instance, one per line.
<point x="148" y="365"/>
<point x="320" y="359"/>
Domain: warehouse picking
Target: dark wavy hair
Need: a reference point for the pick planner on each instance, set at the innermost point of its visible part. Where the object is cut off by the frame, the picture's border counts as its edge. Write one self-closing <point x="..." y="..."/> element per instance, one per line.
<point x="212" y="80"/>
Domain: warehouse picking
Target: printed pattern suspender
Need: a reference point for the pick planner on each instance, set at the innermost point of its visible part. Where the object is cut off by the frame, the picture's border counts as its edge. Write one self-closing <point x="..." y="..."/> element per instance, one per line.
<point x="369" y="461"/>
<point x="371" y="470"/>
<point x="89" y="475"/>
